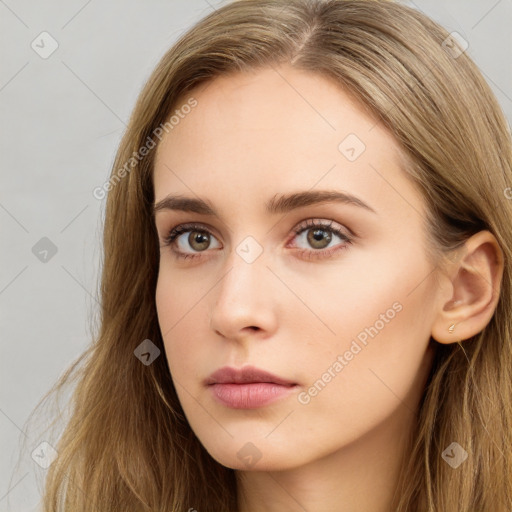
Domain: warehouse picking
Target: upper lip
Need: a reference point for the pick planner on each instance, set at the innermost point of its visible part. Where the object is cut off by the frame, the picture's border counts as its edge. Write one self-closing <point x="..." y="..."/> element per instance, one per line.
<point x="245" y="375"/>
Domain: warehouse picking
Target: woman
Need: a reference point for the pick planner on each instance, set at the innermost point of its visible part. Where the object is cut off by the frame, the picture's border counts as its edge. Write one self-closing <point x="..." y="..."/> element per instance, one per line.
<point x="306" y="290"/>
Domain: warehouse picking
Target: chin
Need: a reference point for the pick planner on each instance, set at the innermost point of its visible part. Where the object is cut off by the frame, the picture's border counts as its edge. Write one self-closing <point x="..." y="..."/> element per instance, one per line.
<point x="252" y="456"/>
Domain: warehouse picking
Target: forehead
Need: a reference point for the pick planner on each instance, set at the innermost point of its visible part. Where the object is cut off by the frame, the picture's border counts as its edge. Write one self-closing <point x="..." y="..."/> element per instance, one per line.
<point x="295" y="104"/>
<point x="271" y="129"/>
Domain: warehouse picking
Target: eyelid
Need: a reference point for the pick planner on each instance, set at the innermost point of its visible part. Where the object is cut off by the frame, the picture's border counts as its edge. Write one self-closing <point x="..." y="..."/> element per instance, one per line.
<point x="329" y="224"/>
<point x="188" y="226"/>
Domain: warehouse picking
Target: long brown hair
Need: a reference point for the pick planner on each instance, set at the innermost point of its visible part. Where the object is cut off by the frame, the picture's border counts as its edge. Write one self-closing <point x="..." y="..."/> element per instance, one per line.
<point x="127" y="445"/>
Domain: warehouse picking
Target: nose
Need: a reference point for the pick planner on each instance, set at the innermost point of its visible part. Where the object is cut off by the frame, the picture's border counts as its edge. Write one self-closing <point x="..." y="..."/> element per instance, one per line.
<point x="246" y="301"/>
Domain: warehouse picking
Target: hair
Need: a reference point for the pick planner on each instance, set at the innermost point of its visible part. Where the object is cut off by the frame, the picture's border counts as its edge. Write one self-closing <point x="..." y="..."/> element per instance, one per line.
<point x="127" y="445"/>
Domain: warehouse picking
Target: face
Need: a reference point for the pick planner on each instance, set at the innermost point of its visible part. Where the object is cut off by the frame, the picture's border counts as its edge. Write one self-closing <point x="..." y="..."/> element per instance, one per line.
<point x="269" y="268"/>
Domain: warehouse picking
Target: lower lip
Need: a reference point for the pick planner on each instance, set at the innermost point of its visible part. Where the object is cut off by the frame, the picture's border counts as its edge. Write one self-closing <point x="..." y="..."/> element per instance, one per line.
<point x="249" y="396"/>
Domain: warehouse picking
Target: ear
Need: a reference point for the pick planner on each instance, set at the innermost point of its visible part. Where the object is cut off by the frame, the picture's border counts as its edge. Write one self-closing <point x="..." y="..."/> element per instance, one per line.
<point x="473" y="284"/>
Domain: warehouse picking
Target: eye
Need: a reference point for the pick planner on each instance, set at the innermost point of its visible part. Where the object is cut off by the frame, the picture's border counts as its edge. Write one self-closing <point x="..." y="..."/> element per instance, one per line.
<point x="198" y="239"/>
<point x="316" y="234"/>
<point x="319" y="234"/>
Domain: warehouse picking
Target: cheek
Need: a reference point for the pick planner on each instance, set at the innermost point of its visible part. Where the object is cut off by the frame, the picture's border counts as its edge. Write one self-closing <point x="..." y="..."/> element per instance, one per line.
<point x="176" y="297"/>
<point x="377" y="363"/>
<point x="377" y="311"/>
<point x="183" y="319"/>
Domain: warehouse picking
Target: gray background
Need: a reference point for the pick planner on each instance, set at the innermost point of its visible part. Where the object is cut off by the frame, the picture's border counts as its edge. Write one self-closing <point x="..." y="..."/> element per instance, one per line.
<point x="62" y="119"/>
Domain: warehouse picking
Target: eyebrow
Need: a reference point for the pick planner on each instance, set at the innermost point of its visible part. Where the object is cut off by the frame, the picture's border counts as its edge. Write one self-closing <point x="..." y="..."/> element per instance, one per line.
<point x="277" y="205"/>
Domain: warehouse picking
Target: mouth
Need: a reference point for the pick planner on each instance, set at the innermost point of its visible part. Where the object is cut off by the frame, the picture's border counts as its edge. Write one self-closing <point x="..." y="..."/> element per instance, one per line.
<point x="248" y="387"/>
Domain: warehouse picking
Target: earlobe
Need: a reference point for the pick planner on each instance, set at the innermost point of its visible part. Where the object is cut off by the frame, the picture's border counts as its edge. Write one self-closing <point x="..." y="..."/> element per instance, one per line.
<point x="476" y="283"/>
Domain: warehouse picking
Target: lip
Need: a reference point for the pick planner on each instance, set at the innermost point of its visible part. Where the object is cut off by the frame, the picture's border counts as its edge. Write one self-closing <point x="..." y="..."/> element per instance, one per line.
<point x="245" y="375"/>
<point x="247" y="387"/>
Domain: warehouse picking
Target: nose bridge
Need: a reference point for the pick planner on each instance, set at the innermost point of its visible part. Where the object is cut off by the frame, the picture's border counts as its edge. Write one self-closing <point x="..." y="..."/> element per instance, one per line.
<point x="244" y="292"/>
<point x="244" y="277"/>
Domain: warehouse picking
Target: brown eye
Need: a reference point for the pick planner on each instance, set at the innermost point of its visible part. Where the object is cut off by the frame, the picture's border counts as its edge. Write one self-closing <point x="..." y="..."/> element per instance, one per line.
<point x="315" y="238"/>
<point x="319" y="238"/>
<point x="198" y="240"/>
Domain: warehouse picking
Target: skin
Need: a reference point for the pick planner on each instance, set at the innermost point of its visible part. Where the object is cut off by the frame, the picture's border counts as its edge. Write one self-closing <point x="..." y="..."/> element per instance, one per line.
<point x="275" y="131"/>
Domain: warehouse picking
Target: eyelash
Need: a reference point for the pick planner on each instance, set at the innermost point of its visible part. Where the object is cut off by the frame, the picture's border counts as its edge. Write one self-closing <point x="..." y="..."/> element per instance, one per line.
<point x="174" y="233"/>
